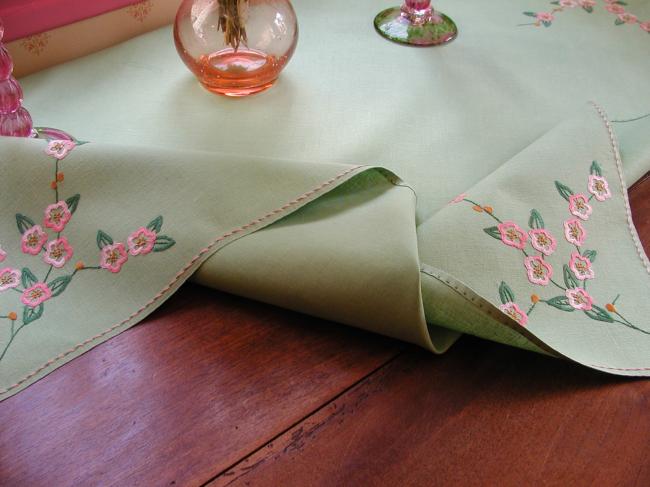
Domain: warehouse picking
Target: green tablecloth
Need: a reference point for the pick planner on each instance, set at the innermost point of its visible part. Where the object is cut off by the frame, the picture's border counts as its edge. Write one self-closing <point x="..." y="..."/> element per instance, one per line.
<point x="358" y="150"/>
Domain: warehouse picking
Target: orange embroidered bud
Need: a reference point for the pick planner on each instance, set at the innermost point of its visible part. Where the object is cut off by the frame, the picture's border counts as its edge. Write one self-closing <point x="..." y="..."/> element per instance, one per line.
<point x="12" y="316"/>
<point x="79" y="265"/>
<point x="610" y="307"/>
<point x="59" y="177"/>
<point x="477" y="208"/>
<point x="53" y="185"/>
<point x="489" y="209"/>
<point x="534" y="299"/>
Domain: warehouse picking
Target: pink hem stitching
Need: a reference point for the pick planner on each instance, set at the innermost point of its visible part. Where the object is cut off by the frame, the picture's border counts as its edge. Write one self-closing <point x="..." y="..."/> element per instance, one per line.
<point x="180" y="274"/>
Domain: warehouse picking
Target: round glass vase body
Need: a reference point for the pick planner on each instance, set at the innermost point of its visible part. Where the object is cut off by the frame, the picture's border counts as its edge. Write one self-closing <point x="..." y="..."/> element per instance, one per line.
<point x="269" y="34"/>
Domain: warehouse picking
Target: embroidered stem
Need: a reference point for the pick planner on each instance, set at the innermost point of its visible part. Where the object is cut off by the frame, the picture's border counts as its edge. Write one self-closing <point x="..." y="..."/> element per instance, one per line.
<point x="11" y="339"/>
<point x="55" y="182"/>
<point x="48" y="273"/>
<point x="630" y="325"/>
<point x="631" y="119"/>
<point x="483" y="209"/>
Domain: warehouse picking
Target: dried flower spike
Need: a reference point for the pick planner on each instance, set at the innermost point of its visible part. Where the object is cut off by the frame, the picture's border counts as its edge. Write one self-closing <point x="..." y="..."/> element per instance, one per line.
<point x="232" y="18"/>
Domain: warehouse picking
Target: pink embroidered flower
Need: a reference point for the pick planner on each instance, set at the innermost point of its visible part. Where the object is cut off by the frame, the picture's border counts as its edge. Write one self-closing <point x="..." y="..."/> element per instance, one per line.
<point x="542" y="241"/>
<point x="579" y="299"/>
<point x="587" y="3"/>
<point x="458" y="198"/>
<point x="3" y="254"/>
<point x="512" y="235"/>
<point x="628" y="18"/>
<point x="579" y="206"/>
<point x="141" y="241"/>
<point x="539" y="271"/>
<point x="599" y="187"/>
<point x="57" y="215"/>
<point x="581" y="266"/>
<point x="645" y="26"/>
<point x="59" y="148"/>
<point x="9" y="278"/>
<point x="514" y="312"/>
<point x="615" y="8"/>
<point x="568" y="3"/>
<point x="545" y="17"/>
<point x="113" y="257"/>
<point x="574" y="232"/>
<point x="36" y="295"/>
<point x="33" y="240"/>
<point x="58" y="252"/>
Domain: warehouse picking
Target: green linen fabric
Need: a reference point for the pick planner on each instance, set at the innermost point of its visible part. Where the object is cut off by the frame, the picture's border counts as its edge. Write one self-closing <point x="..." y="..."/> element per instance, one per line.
<point x="500" y="114"/>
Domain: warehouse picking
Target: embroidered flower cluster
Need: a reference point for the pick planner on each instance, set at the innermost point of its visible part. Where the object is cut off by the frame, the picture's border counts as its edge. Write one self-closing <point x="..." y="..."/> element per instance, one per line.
<point x="57" y="251"/>
<point x="539" y="271"/>
<point x="615" y="7"/>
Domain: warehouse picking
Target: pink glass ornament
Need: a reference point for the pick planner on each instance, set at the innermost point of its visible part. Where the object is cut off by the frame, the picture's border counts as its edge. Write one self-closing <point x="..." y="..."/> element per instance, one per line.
<point x="15" y="121"/>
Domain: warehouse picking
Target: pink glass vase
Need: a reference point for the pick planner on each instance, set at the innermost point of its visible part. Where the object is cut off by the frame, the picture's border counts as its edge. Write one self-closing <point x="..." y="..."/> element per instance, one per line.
<point x="247" y="63"/>
<point x="14" y="119"/>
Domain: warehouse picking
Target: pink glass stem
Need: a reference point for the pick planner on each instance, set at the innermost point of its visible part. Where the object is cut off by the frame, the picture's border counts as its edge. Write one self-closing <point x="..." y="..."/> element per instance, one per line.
<point x="417" y="4"/>
<point x="417" y="12"/>
<point x="14" y="119"/>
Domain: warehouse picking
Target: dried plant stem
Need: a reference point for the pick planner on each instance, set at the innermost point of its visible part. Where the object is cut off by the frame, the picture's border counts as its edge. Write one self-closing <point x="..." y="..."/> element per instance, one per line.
<point x="232" y="19"/>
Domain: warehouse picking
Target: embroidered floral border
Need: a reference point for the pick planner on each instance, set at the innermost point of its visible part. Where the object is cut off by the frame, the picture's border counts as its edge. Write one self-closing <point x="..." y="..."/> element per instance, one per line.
<point x="57" y="251"/>
<point x="614" y="7"/>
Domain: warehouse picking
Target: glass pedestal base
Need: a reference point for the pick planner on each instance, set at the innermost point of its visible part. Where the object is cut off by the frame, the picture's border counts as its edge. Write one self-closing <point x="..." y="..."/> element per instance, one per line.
<point x="394" y="24"/>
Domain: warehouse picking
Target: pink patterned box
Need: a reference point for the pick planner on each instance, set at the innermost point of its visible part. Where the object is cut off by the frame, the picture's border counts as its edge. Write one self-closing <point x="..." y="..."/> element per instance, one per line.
<point x="23" y="18"/>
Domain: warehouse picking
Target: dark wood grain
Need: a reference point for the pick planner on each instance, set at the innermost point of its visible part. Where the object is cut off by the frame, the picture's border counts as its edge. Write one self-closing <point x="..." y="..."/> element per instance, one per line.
<point x="482" y="414"/>
<point x="193" y="389"/>
<point x="640" y="203"/>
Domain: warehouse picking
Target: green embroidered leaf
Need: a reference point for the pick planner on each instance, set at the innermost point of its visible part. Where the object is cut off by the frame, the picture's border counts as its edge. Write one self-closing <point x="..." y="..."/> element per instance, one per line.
<point x="535" y="220"/>
<point x="560" y="302"/>
<point x="163" y="242"/>
<point x="530" y="14"/>
<point x="599" y="314"/>
<point x="493" y="232"/>
<point x="24" y="223"/>
<point x="58" y="285"/>
<point x="619" y="22"/>
<point x="588" y="9"/>
<point x="28" y="278"/>
<point x="103" y="239"/>
<point x="621" y="3"/>
<point x="569" y="278"/>
<point x="590" y="254"/>
<point x="595" y="169"/>
<point x="32" y="314"/>
<point x="564" y="191"/>
<point x="506" y="294"/>
<point x="555" y="3"/>
<point x="73" y="202"/>
<point x="156" y="224"/>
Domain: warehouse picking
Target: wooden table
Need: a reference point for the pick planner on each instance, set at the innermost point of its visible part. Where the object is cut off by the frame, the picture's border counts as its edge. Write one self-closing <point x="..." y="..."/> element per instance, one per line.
<point x="215" y="389"/>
